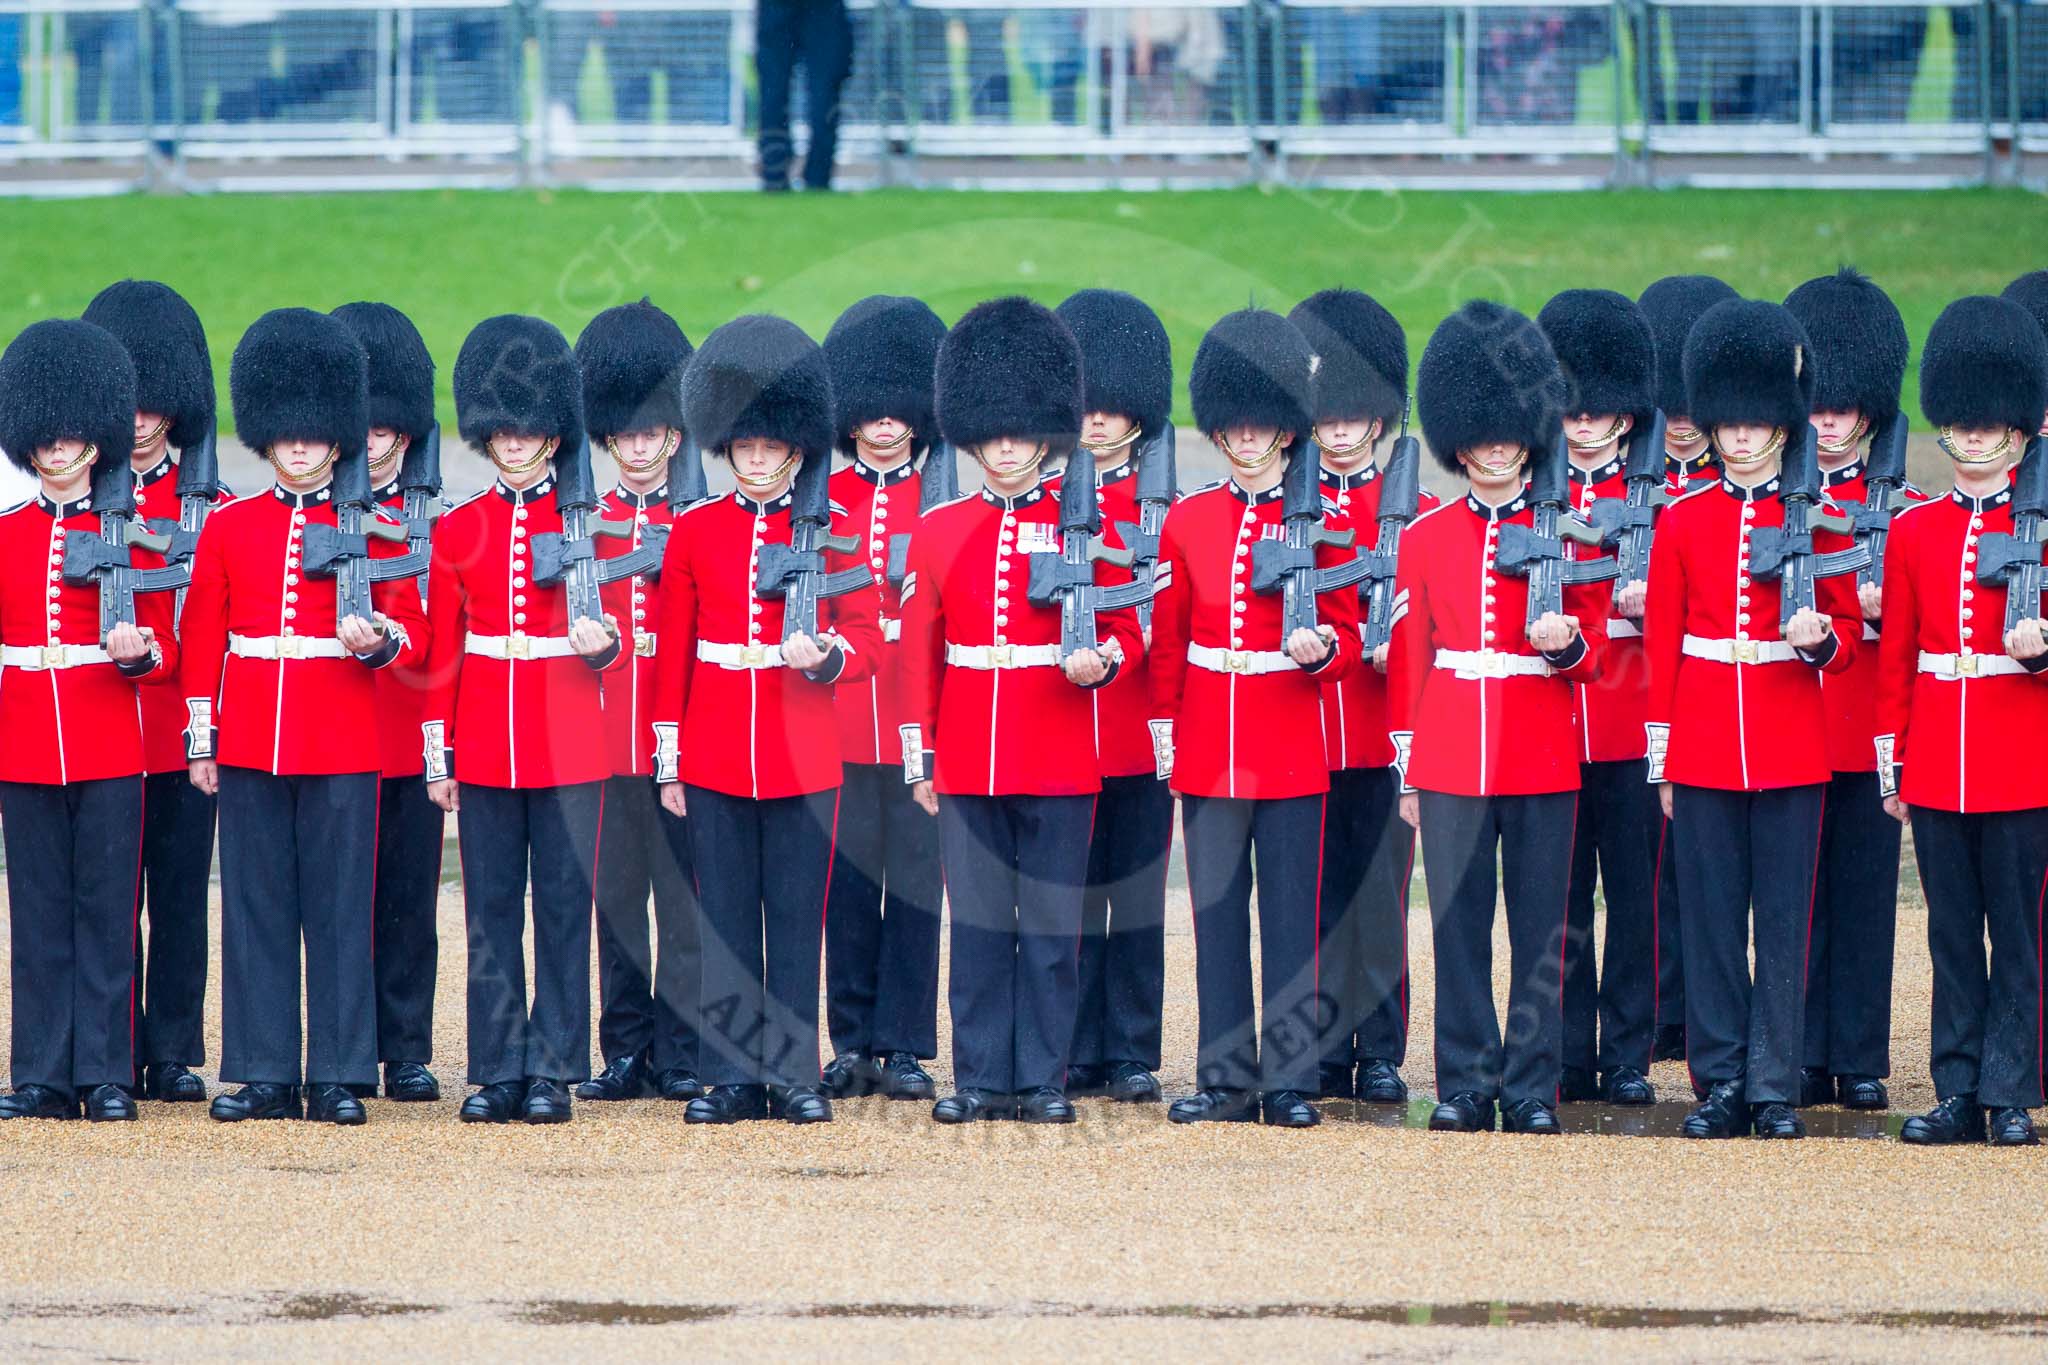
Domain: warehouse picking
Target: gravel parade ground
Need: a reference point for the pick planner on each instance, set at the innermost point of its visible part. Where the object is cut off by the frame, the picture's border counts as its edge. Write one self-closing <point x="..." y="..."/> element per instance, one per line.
<point x="884" y="1235"/>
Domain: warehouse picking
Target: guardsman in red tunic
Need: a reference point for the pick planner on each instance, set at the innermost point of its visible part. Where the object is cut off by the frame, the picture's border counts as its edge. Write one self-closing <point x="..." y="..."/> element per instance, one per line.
<point x="1605" y="350"/>
<point x="633" y="358"/>
<point x="1237" y="724"/>
<point x="513" y="715"/>
<point x="1859" y="354"/>
<point x="882" y="926"/>
<point x="1368" y="852"/>
<point x="277" y="680"/>
<point x="406" y="942"/>
<point x="1672" y="305"/>
<point x="1001" y="744"/>
<point x="173" y="413"/>
<point x="1737" y="725"/>
<point x="746" y="741"/>
<point x="1956" y="688"/>
<point x="1481" y="713"/>
<point x="1127" y="396"/>
<point x="71" y="770"/>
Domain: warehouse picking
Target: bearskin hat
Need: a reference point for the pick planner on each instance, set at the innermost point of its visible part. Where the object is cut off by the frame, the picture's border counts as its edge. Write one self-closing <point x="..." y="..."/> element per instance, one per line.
<point x="1361" y="356"/>
<point x="1985" y="364"/>
<point x="760" y="377"/>
<point x="1126" y="358"/>
<point x="1859" y="344"/>
<point x="1672" y="305"/>
<point x="66" y="380"/>
<point x="401" y="371"/>
<point x="632" y="357"/>
<point x="1748" y="361"/>
<point x="1488" y="374"/>
<point x="1605" y="350"/>
<point x="1010" y="367"/>
<point x="2030" y="291"/>
<point x="516" y="373"/>
<point x="300" y="374"/>
<point x="1254" y="368"/>
<point x="164" y="337"/>
<point x="883" y="353"/>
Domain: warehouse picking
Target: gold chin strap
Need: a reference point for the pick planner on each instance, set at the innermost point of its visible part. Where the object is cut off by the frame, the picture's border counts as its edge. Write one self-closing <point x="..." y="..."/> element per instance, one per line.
<point x="1763" y="452"/>
<point x="1852" y="440"/>
<point x="1362" y="443"/>
<point x="1105" y="447"/>
<point x="768" y="480"/>
<point x="1256" y="462"/>
<point x="540" y="457"/>
<point x="163" y="425"/>
<point x="1505" y="466"/>
<point x="1682" y="435"/>
<point x="315" y="472"/>
<point x="1036" y="460"/>
<point x="668" y="448"/>
<point x="85" y="456"/>
<point x="1961" y="456"/>
<point x="1599" y="441"/>
<point x="391" y="457"/>
<point x="884" y="445"/>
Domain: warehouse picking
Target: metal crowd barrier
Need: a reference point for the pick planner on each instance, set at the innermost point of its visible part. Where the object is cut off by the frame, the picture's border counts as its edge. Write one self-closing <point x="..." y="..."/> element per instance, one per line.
<point x="108" y="93"/>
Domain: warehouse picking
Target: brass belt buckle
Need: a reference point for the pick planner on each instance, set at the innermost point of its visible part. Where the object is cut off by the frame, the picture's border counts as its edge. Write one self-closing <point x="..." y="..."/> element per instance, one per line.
<point x="643" y="646"/>
<point x="1744" y="651"/>
<point x="754" y="656"/>
<point x="54" y="656"/>
<point x="518" y="645"/>
<point x="1236" y="660"/>
<point x="999" y="656"/>
<point x="1966" y="664"/>
<point x="1493" y="663"/>
<point x="291" y="647"/>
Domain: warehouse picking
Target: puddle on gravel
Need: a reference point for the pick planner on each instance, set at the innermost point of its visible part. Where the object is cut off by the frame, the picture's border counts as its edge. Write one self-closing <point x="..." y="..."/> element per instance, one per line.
<point x="1615" y="1120"/>
<point x="824" y="1172"/>
<point x="328" y="1307"/>
<point x="562" y="1312"/>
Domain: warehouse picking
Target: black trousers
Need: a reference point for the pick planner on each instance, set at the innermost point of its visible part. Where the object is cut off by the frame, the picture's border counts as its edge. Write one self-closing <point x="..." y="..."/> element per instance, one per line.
<point x="297" y="866"/>
<point x="503" y="831"/>
<point x="1272" y="1047"/>
<point x="1610" y="1009"/>
<point x="177" y="869"/>
<point x="818" y="34"/>
<point x="1670" y="934"/>
<point x="1362" y="929"/>
<point x="1744" y="855"/>
<point x="647" y="994"/>
<point x="1985" y="875"/>
<point x="762" y="874"/>
<point x="1123" y="924"/>
<point x="1015" y="866"/>
<point x="72" y="851"/>
<point x="1855" y="921"/>
<point x="882" y="919"/>
<point x="1533" y="836"/>
<point x="407" y="944"/>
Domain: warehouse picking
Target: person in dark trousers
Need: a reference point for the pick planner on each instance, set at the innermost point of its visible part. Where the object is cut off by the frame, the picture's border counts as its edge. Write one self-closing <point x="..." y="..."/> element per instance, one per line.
<point x="817" y="34"/>
<point x="409" y="826"/>
<point x="71" y="770"/>
<point x="882" y="925"/>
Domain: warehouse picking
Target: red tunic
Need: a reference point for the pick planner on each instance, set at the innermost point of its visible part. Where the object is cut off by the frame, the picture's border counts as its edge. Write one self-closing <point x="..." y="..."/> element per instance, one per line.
<point x="1240" y="733"/>
<point x="522" y="721"/>
<point x="629" y="693"/>
<point x="1477" y="733"/>
<point x="880" y="505"/>
<point x="401" y="689"/>
<point x="1355" y="708"/>
<point x="163" y="710"/>
<point x="1609" y="711"/>
<point x="1736" y="726"/>
<point x="1851" y="695"/>
<point x="84" y="722"/>
<point x="1123" y="739"/>
<point x="1958" y="737"/>
<point x="1011" y="731"/>
<point x="285" y="715"/>
<point x="760" y="732"/>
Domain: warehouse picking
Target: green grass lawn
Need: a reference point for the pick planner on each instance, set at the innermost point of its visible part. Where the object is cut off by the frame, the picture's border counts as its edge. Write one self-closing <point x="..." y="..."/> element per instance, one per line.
<point x="449" y="259"/>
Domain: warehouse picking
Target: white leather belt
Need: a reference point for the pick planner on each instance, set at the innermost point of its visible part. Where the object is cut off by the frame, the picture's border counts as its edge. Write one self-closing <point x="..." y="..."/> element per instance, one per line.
<point x="1246" y="661"/>
<point x="286" y="647"/>
<point x="518" y="646"/>
<point x="892" y="628"/>
<point x="41" y="657"/>
<point x="1950" y="667"/>
<point x="1620" y="629"/>
<point x="1740" y="651"/>
<point x="643" y="645"/>
<point x="739" y="656"/>
<point x="985" y="657"/>
<point x="1492" y="663"/>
